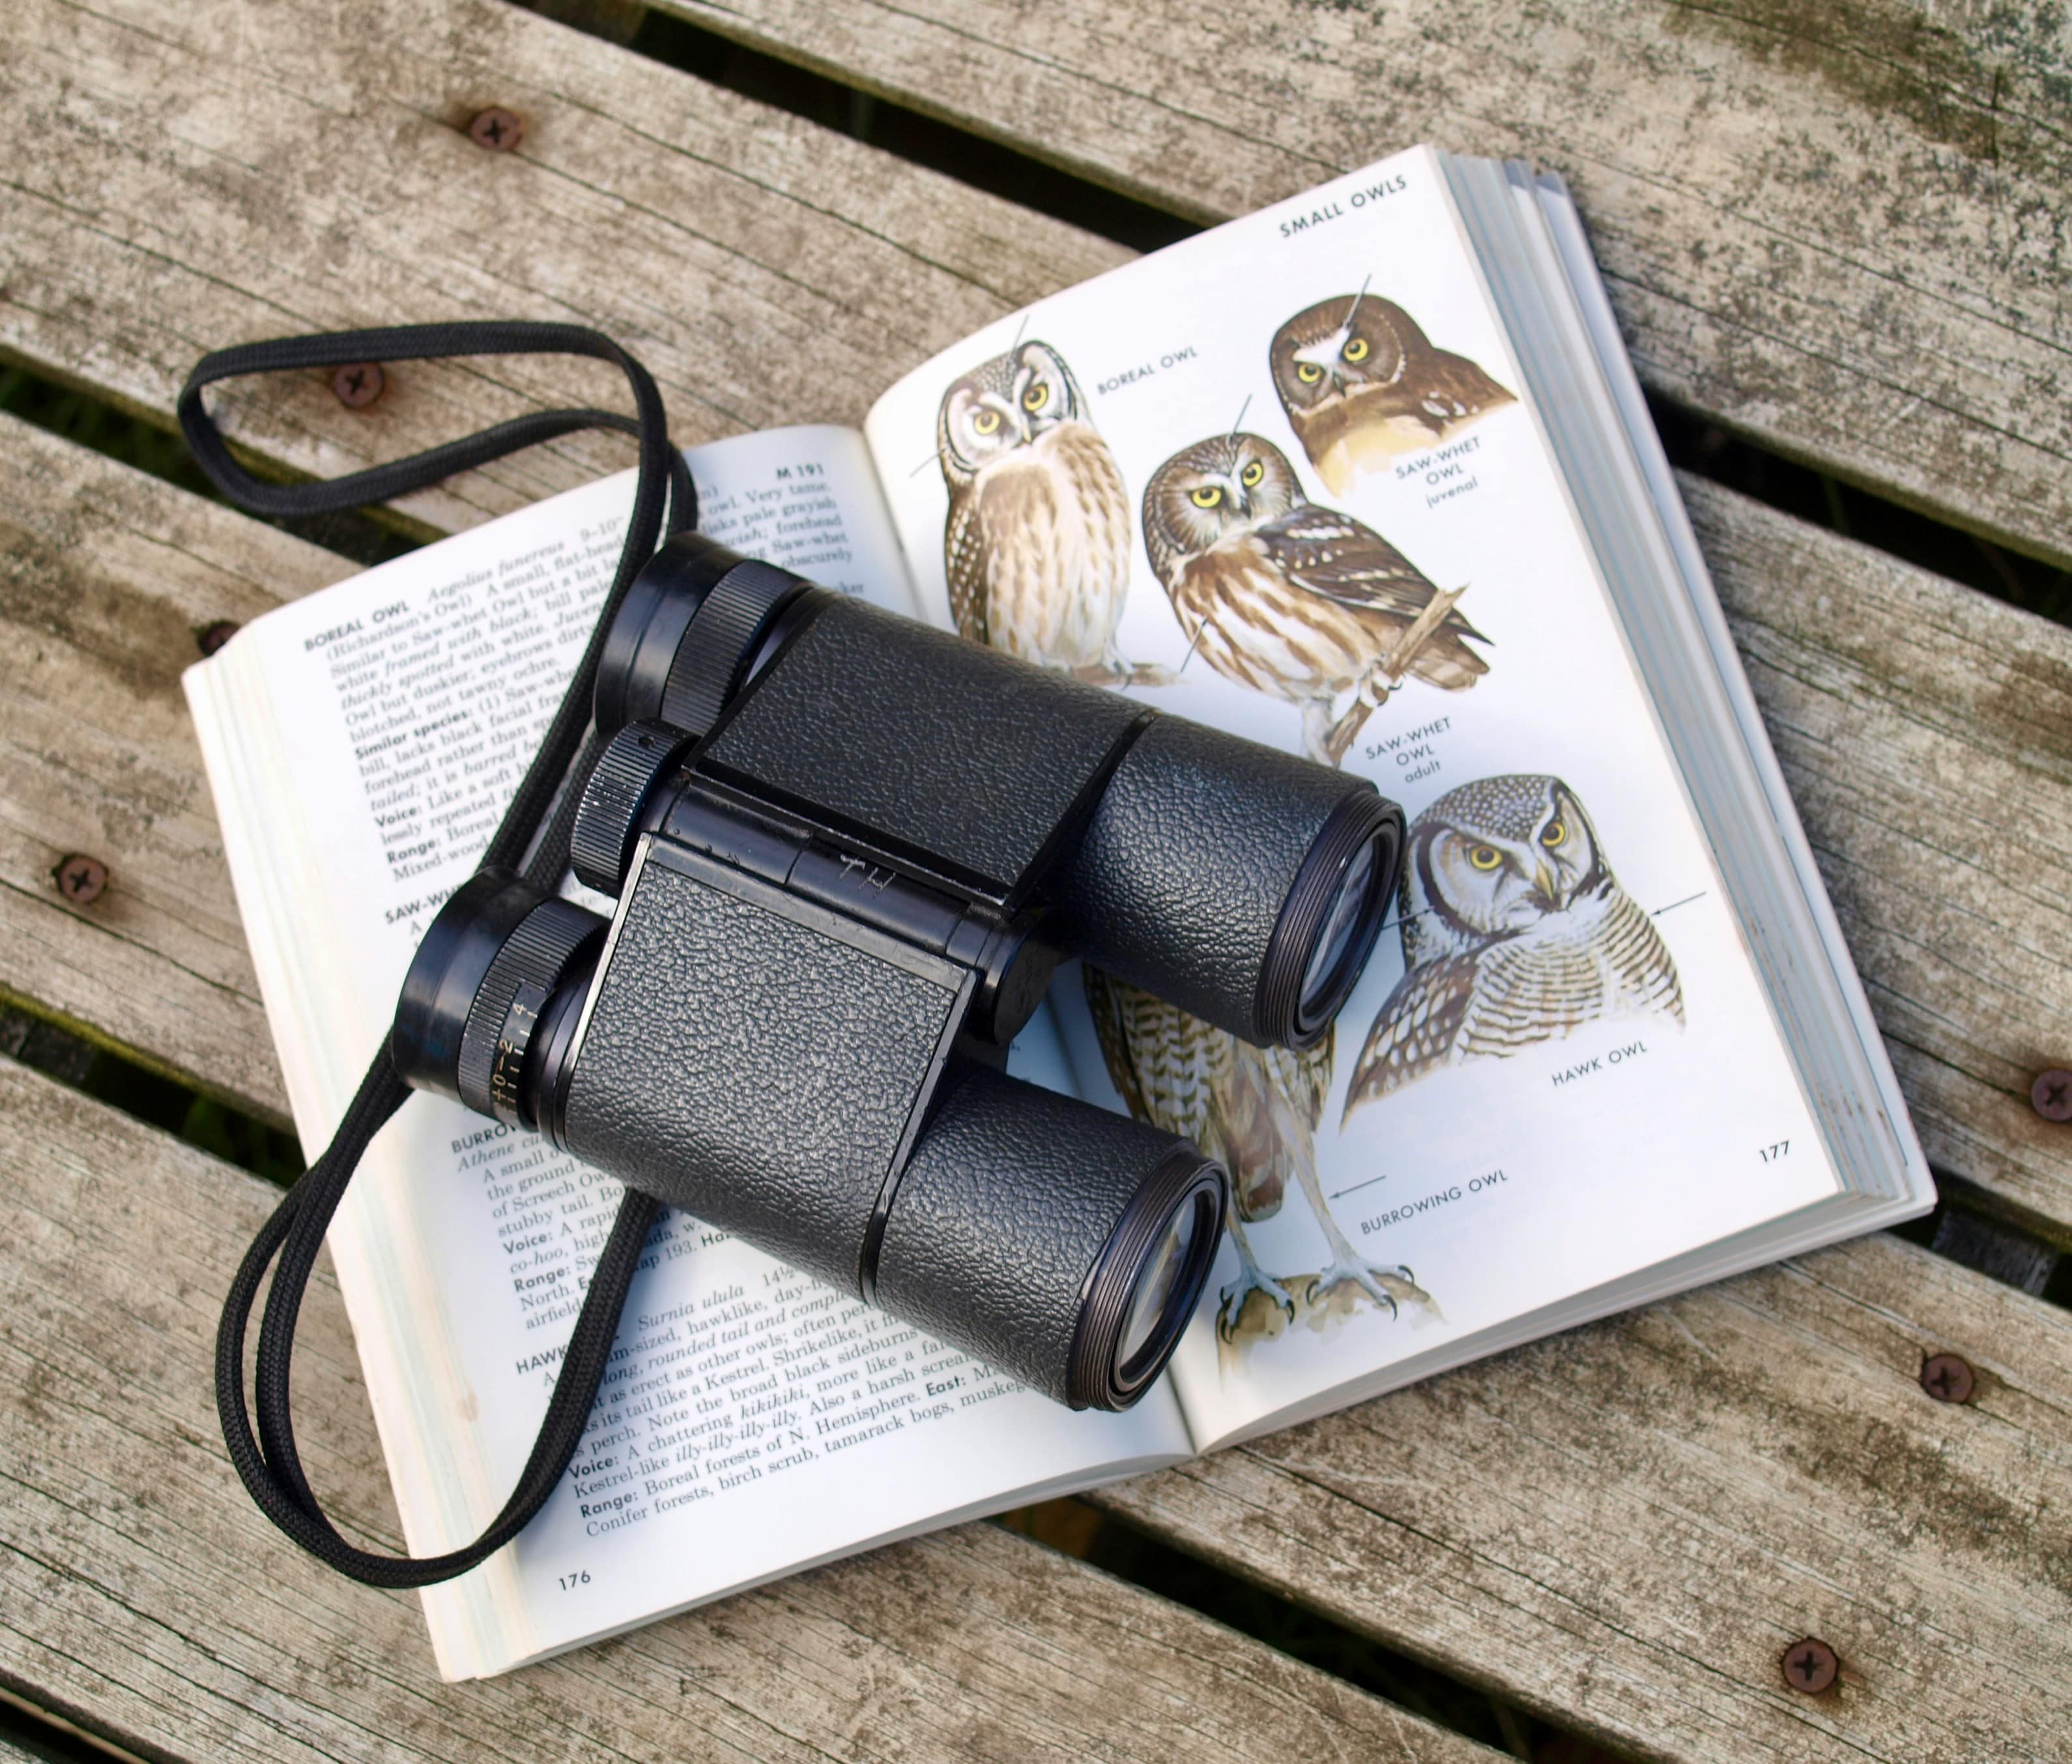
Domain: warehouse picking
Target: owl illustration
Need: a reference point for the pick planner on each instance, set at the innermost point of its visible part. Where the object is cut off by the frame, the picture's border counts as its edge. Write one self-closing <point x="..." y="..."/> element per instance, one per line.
<point x="1255" y="1109"/>
<point x="1515" y="931"/>
<point x="1360" y="383"/>
<point x="1036" y="545"/>
<point x="1293" y="599"/>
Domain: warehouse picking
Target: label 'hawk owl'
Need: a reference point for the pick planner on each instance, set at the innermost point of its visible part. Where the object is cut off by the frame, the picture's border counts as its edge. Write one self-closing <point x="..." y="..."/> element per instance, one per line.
<point x="1036" y="545"/>
<point x="1515" y="932"/>
<point x="1290" y="598"/>
<point x="1361" y="383"/>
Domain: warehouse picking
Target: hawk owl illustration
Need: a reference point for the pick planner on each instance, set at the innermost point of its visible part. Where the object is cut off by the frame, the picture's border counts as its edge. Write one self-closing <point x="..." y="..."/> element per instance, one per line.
<point x="1515" y="932"/>
<point x="1293" y="599"/>
<point x="1254" y="1109"/>
<point x="1361" y="383"/>
<point x="1036" y="547"/>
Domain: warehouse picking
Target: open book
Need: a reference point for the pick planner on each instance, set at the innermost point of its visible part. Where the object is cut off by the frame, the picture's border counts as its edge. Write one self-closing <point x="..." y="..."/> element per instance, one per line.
<point x="1366" y="474"/>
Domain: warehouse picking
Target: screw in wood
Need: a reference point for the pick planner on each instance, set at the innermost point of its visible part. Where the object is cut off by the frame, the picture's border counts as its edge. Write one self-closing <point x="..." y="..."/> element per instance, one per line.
<point x="2051" y="1095"/>
<point x="212" y="638"/>
<point x="359" y="384"/>
<point x="498" y="129"/>
<point x="80" y="878"/>
<point x="1948" y="1379"/>
<point x="1810" y="1665"/>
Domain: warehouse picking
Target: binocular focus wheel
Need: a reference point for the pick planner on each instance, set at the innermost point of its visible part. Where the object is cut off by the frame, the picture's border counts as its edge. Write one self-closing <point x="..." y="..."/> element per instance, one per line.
<point x="608" y="817"/>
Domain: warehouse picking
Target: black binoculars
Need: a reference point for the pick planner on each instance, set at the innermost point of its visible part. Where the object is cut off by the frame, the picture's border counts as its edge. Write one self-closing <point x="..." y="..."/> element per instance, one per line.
<point x="848" y="850"/>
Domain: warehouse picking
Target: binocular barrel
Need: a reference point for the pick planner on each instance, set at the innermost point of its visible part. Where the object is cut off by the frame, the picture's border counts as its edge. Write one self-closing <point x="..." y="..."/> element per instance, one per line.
<point x="848" y="852"/>
<point x="1062" y="1243"/>
<point x="1245" y="884"/>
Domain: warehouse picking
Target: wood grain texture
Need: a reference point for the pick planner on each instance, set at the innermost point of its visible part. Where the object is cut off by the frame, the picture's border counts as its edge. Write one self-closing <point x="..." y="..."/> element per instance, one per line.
<point x="106" y="576"/>
<point x="1926" y="732"/>
<point x="1629" y="1524"/>
<point x="142" y="1596"/>
<point x="181" y="177"/>
<point x="1842" y="230"/>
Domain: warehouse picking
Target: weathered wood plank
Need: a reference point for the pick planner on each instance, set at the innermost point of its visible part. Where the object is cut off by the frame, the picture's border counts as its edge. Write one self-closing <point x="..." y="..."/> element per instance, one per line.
<point x="106" y="576"/>
<point x="1926" y="732"/>
<point x="142" y="1596"/>
<point x="181" y="177"/>
<point x="1842" y="230"/>
<point x="1629" y="1524"/>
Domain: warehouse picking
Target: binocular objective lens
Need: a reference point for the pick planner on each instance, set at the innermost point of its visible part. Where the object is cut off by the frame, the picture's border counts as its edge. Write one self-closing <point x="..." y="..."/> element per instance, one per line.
<point x="1154" y="1293"/>
<point x="1357" y="898"/>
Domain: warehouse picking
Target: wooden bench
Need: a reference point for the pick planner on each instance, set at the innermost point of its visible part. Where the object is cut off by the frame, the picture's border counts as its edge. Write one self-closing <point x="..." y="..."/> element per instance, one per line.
<point x="1845" y="240"/>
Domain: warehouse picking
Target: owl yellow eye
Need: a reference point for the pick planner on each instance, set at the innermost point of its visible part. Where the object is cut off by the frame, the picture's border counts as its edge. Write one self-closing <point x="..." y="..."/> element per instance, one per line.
<point x="1308" y="372"/>
<point x="1254" y="470"/>
<point x="1036" y="397"/>
<point x="1206" y="495"/>
<point x="1484" y="857"/>
<point x="985" y="422"/>
<point x="1555" y="832"/>
<point x="1356" y="349"/>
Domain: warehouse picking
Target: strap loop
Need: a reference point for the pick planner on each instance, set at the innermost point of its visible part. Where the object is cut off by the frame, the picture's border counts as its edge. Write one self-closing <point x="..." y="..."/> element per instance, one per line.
<point x="537" y="823"/>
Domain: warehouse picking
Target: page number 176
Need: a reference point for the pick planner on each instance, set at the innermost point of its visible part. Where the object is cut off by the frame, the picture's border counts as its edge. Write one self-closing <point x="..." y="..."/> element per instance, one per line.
<point x="1771" y="1154"/>
<point x="580" y="1577"/>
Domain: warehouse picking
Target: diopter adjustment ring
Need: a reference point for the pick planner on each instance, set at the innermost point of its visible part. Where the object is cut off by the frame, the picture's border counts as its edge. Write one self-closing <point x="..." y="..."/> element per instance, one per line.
<point x="534" y="960"/>
<point x="725" y="634"/>
<point x="608" y="817"/>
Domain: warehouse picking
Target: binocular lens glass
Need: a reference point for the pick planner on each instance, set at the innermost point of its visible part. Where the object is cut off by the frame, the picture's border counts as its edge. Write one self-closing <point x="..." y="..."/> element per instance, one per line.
<point x="1358" y="896"/>
<point x="1164" y="1293"/>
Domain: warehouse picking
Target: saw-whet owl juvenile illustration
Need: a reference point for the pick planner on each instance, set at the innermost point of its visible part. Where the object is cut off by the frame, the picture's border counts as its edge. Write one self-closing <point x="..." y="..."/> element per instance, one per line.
<point x="1362" y="383"/>
<point x="1515" y="932"/>
<point x="1293" y="599"/>
<point x="1036" y="545"/>
<point x="1254" y="1109"/>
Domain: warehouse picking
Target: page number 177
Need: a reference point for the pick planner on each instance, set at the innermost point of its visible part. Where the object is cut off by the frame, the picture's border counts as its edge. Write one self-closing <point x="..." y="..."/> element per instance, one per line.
<point x="1771" y="1154"/>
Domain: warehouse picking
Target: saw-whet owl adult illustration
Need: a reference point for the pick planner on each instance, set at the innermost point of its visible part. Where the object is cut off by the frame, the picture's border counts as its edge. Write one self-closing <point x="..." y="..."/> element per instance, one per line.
<point x="1293" y="599"/>
<point x="1515" y="932"/>
<point x="1037" y="543"/>
<point x="1254" y="1109"/>
<point x="1362" y="384"/>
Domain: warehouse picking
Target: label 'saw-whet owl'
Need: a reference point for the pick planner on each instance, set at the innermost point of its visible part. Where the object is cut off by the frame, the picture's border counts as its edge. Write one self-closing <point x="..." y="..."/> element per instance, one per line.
<point x="1290" y="598"/>
<point x="1515" y="932"/>
<point x="1362" y="383"/>
<point x="1036" y="547"/>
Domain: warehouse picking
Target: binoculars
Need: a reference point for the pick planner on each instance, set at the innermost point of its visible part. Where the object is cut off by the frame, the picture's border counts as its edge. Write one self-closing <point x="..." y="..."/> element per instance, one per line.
<point x="848" y="851"/>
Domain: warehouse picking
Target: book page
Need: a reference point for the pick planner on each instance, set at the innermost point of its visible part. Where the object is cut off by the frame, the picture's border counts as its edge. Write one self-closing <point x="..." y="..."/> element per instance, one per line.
<point x="1233" y="475"/>
<point x="362" y="743"/>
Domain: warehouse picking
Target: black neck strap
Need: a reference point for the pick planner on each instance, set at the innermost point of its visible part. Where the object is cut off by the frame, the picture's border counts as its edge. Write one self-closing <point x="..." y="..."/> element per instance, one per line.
<point x="534" y="832"/>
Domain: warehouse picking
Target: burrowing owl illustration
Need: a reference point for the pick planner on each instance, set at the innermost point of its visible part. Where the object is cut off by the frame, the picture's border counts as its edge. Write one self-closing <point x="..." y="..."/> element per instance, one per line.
<point x="1254" y="1109"/>
<point x="1036" y="545"/>
<point x="1361" y="383"/>
<point x="1293" y="599"/>
<point x="1515" y="931"/>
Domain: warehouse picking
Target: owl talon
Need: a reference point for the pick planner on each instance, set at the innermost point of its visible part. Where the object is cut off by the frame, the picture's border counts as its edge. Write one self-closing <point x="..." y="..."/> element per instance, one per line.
<point x="1229" y="1312"/>
<point x="1341" y="1273"/>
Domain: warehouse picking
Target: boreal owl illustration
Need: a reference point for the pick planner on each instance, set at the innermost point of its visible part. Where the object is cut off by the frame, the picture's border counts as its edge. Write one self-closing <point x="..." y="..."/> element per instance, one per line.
<point x="1361" y="383"/>
<point x="1293" y="599"/>
<point x="1255" y="1109"/>
<point x="1036" y="545"/>
<point x="1515" y="932"/>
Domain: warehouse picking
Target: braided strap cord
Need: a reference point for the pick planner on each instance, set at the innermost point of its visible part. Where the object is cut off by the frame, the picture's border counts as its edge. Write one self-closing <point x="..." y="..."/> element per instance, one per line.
<point x="537" y="823"/>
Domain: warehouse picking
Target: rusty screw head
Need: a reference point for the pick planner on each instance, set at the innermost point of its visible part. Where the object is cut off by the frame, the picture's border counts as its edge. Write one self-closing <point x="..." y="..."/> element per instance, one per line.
<point x="212" y="638"/>
<point x="2051" y="1095"/>
<point x="359" y="384"/>
<point x="498" y="129"/>
<point x="1810" y="1665"/>
<point x="1948" y="1379"/>
<point x="80" y="878"/>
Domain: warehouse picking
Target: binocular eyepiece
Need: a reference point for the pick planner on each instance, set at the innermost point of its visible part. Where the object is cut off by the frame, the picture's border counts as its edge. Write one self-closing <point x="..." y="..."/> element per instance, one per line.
<point x="848" y="852"/>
